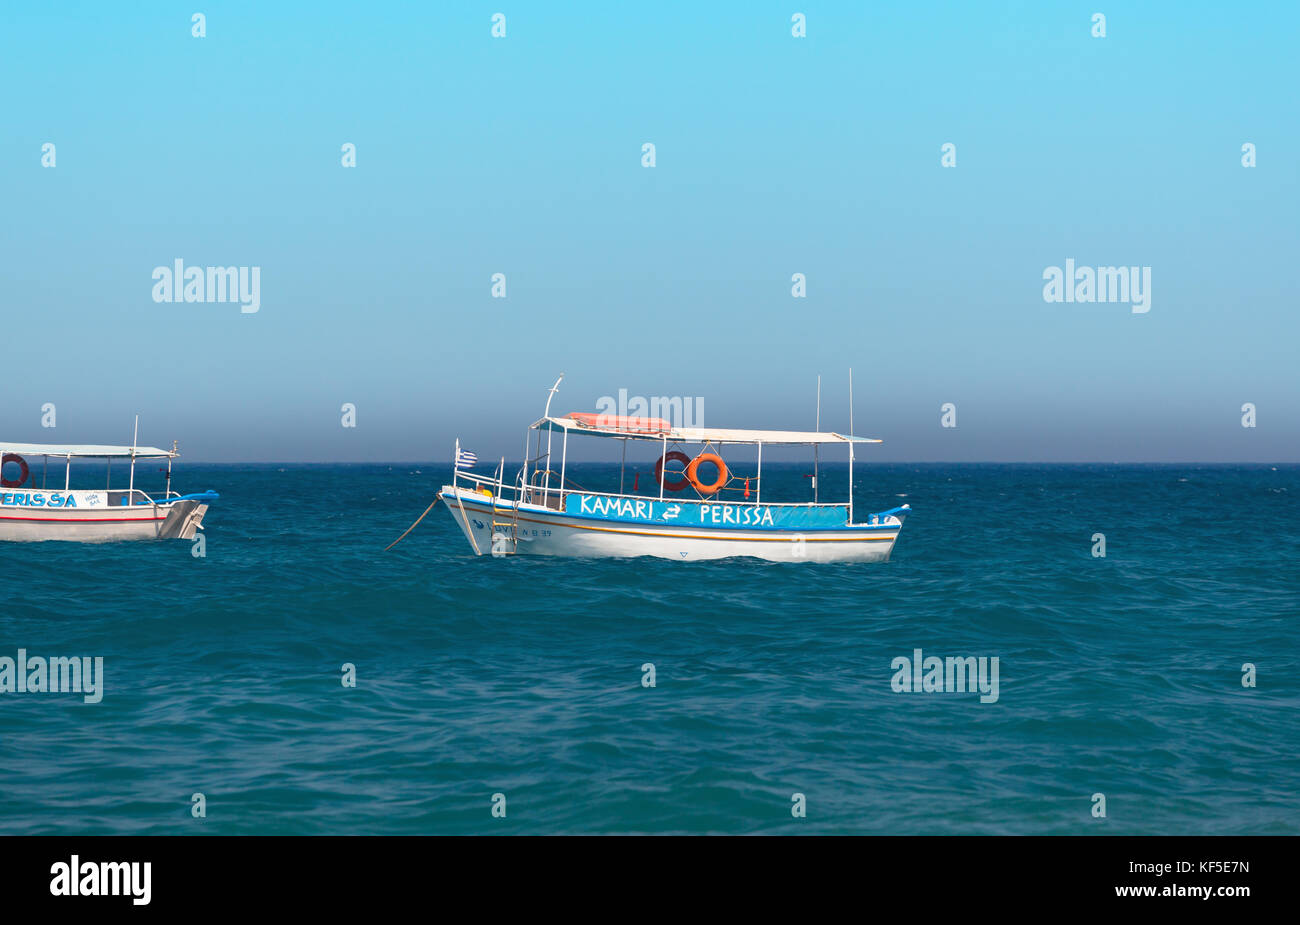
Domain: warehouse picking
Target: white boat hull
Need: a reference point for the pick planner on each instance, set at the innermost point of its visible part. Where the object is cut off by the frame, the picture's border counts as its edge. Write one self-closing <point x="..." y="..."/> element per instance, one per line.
<point x="176" y="520"/>
<point x="546" y="532"/>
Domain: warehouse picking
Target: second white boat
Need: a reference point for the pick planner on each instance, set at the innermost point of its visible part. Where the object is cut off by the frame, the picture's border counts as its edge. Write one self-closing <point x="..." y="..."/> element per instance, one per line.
<point x="541" y="512"/>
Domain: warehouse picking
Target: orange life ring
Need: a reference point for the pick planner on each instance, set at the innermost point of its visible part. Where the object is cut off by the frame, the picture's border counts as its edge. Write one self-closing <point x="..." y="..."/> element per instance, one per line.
<point x="22" y="468"/>
<point x="692" y="473"/>
<point x="676" y="484"/>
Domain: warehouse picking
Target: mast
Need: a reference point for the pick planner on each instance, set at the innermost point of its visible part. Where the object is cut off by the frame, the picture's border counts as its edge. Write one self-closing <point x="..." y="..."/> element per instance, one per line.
<point x="850" y="401"/>
<point x="135" y="439"/>
<point x="850" y="444"/>
<point x="546" y="484"/>
<point x="818" y="428"/>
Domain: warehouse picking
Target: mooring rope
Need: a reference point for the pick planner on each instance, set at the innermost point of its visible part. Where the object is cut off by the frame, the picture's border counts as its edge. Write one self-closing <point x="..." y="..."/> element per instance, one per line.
<point x="465" y="517"/>
<point x="412" y="526"/>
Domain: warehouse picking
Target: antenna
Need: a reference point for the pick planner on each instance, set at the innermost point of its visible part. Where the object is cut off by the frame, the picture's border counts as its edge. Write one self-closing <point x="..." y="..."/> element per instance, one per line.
<point x="546" y="484"/>
<point x="135" y="441"/>
<point x="555" y="388"/>
<point x="850" y="401"/>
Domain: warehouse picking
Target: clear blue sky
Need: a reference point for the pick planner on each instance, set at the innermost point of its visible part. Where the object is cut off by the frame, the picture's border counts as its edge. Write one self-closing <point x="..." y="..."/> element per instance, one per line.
<point x="775" y="155"/>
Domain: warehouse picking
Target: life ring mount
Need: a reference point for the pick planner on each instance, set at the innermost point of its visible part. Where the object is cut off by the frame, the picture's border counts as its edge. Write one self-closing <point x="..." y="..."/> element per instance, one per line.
<point x="693" y="474"/>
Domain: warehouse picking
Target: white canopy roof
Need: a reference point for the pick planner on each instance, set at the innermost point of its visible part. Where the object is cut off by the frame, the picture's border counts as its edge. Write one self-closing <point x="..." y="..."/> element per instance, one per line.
<point x="702" y="434"/>
<point x="88" y="449"/>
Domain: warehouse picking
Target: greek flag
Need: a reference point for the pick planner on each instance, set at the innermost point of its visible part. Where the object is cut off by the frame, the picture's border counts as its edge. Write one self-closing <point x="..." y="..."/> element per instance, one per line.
<point x="465" y="459"/>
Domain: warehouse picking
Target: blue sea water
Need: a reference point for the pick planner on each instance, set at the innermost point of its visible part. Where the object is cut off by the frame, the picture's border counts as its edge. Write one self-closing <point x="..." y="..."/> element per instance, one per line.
<point x="522" y="676"/>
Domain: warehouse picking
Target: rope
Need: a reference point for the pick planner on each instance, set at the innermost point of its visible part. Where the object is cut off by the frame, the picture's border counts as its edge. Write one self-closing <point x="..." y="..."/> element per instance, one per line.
<point x="412" y="526"/>
<point x="465" y="517"/>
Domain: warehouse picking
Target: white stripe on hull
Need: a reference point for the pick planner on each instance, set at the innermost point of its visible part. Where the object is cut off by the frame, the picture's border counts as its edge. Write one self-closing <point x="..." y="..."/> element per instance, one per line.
<point x="178" y="520"/>
<point x="560" y="535"/>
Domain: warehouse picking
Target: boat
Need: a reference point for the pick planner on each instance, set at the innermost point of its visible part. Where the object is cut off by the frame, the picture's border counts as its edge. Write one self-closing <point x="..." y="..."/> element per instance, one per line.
<point x="31" y="508"/>
<point x="684" y="514"/>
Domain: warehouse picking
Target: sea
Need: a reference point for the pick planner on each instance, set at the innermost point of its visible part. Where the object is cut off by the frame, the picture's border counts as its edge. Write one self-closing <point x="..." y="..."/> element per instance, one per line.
<point x="290" y="676"/>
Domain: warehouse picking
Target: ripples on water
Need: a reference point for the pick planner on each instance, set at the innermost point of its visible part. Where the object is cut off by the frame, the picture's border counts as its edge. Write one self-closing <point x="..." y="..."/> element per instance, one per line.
<point x="522" y="676"/>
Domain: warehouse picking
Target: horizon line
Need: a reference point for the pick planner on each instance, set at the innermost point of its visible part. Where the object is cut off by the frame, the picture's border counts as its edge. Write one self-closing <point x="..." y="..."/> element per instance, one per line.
<point x="860" y="462"/>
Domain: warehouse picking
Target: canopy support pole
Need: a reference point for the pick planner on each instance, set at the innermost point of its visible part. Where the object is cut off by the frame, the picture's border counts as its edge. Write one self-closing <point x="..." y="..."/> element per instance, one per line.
<point x="523" y="473"/>
<point x="135" y="439"/>
<point x="850" y="483"/>
<point x="564" y="458"/>
<point x="663" y="465"/>
<point x="546" y="481"/>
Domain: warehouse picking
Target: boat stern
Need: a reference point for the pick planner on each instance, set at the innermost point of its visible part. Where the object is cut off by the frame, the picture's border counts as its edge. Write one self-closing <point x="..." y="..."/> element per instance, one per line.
<point x="185" y="515"/>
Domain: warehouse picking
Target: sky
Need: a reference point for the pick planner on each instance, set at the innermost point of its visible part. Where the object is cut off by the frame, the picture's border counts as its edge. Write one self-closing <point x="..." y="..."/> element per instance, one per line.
<point x="775" y="155"/>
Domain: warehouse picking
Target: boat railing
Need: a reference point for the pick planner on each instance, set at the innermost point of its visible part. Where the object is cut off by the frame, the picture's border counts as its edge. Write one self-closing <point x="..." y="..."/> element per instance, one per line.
<point x="128" y="497"/>
<point x="135" y="497"/>
<point x="536" y="494"/>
